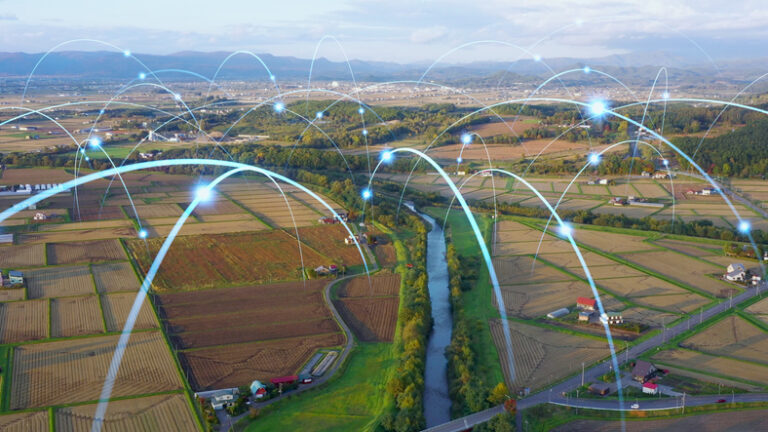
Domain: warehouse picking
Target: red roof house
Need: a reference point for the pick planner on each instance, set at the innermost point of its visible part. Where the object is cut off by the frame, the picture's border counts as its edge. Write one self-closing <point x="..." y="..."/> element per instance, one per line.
<point x="651" y="388"/>
<point x="586" y="303"/>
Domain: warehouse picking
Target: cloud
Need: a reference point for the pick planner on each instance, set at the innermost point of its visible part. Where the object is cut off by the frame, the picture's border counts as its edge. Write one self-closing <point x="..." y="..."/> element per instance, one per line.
<point x="8" y="17"/>
<point x="429" y="34"/>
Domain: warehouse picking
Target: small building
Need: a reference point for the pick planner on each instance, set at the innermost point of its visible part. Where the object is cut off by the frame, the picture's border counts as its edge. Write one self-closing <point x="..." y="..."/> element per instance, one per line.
<point x="650" y="388"/>
<point x="601" y="389"/>
<point x="322" y="271"/>
<point x="645" y="174"/>
<point x="765" y="256"/>
<point x="6" y="238"/>
<point x="584" y="303"/>
<point x="660" y="175"/>
<point x="15" y="277"/>
<point x="39" y="216"/>
<point x="611" y="318"/>
<point x="736" y="272"/>
<point x="2" y="283"/>
<point x="585" y="316"/>
<point x="290" y="379"/>
<point x="558" y="313"/>
<point x="643" y="371"/>
<point x="603" y="181"/>
<point x="223" y="398"/>
<point x="258" y="389"/>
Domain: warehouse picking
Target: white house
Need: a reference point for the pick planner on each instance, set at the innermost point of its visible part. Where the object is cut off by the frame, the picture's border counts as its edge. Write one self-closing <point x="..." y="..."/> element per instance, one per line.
<point x="39" y="216"/>
<point x="611" y="318"/>
<point x="223" y="399"/>
<point x="736" y="272"/>
<point x="650" y="388"/>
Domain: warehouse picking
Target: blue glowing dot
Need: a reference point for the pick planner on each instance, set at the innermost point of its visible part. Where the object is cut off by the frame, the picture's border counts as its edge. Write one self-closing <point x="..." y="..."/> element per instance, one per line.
<point x="127" y="53"/>
<point x="82" y="150"/>
<point x="143" y="234"/>
<point x="587" y="69"/>
<point x="386" y="156"/>
<point x="594" y="158"/>
<point x="203" y="193"/>
<point x="466" y="138"/>
<point x="459" y="159"/>
<point x="272" y="77"/>
<point x="279" y="107"/>
<point x="87" y="158"/>
<point x="319" y="114"/>
<point x="101" y="112"/>
<point x="744" y="226"/>
<point x="94" y="142"/>
<point x="566" y="230"/>
<point x="365" y="131"/>
<point x="361" y="110"/>
<point x="177" y="96"/>
<point x="367" y="194"/>
<point x="665" y="162"/>
<point x="142" y="75"/>
<point x="665" y="95"/>
<point x="598" y="108"/>
<point x="537" y="58"/>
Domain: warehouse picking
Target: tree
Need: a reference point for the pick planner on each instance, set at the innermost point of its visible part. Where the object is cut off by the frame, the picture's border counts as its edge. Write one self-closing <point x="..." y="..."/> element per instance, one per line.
<point x="498" y="394"/>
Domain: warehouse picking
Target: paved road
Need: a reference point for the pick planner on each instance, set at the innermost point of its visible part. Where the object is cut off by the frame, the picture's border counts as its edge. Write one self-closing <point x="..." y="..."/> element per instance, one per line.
<point x="761" y="211"/>
<point x="553" y="394"/>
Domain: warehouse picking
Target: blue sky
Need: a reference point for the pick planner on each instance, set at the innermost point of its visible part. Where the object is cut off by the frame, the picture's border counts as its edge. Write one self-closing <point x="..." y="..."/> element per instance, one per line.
<point x="393" y="30"/>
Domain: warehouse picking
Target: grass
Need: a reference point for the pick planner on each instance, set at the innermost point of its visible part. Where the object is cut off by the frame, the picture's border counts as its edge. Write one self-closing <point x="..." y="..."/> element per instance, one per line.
<point x="353" y="402"/>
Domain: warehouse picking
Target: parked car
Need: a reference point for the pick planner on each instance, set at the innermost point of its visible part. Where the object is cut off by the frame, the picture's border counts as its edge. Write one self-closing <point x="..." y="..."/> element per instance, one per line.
<point x="635" y="406"/>
<point x="721" y="401"/>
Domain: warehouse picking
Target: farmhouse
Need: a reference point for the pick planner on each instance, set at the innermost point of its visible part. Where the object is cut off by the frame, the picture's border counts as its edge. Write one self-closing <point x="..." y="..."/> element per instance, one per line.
<point x="558" y="313"/>
<point x="584" y="303"/>
<point x="650" y="388"/>
<point x="643" y="371"/>
<point x="258" y="390"/>
<point x="736" y="272"/>
<point x="611" y="318"/>
<point x="39" y="216"/>
<point x="223" y="398"/>
<point x="15" y="277"/>
<point x="601" y="389"/>
<point x="585" y="316"/>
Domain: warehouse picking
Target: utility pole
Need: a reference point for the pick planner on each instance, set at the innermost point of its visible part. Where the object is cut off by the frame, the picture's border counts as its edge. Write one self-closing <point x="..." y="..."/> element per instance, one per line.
<point x="701" y="314"/>
<point x="733" y="396"/>
<point x="683" y="402"/>
<point x="582" y="374"/>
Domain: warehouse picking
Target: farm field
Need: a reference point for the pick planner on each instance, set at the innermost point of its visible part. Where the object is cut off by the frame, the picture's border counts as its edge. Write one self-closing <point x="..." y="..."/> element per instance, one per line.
<point x="710" y="364"/>
<point x="370" y="311"/>
<point x="76" y="316"/>
<point x="117" y="307"/>
<point x="200" y="228"/>
<point x="35" y="421"/>
<point x="759" y="310"/>
<point x="670" y="263"/>
<point x="208" y="261"/>
<point x="80" y="366"/>
<point x="23" y="321"/>
<point x="85" y="252"/>
<point x="76" y="235"/>
<point x="329" y="241"/>
<point x="160" y="413"/>
<point x="115" y="277"/>
<point x="58" y="282"/>
<point x="542" y="355"/>
<point x="734" y="337"/>
<point x="22" y="255"/>
<point x="745" y="420"/>
<point x="535" y="300"/>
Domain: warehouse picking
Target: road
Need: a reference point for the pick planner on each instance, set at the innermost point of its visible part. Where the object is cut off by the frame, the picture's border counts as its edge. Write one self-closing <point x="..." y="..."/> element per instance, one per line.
<point x="591" y="374"/>
<point x="759" y="210"/>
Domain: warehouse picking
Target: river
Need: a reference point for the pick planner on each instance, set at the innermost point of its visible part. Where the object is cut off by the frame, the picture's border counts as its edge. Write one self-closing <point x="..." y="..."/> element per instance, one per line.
<point x="437" y="402"/>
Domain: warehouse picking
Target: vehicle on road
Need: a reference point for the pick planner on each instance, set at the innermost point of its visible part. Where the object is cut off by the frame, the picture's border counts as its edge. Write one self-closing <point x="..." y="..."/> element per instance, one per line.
<point x="721" y="401"/>
<point x="635" y="406"/>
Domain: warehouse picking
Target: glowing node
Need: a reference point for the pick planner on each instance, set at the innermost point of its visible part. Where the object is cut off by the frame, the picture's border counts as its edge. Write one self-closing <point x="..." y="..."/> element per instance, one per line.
<point x="94" y="142"/>
<point x="87" y="158"/>
<point x="367" y="194"/>
<point x="279" y="107"/>
<point x="598" y="108"/>
<point x="665" y="95"/>
<point x="142" y="75"/>
<point x="203" y="193"/>
<point x="82" y="150"/>
<point x="665" y="162"/>
<point x="566" y="230"/>
<point x="143" y="234"/>
<point x="319" y="114"/>
<point x="587" y="69"/>
<point x="387" y="156"/>
<point x="177" y="96"/>
<point x="361" y="110"/>
<point x="744" y="226"/>
<point x="365" y="131"/>
<point x="272" y="77"/>
<point x="127" y="53"/>
<point x="537" y="58"/>
<point x="594" y="158"/>
<point x="459" y="159"/>
<point x="466" y="139"/>
<point x="101" y="112"/>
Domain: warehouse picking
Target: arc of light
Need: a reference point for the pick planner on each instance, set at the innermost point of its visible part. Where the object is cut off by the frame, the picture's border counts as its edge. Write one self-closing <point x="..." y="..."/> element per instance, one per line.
<point x="256" y="56"/>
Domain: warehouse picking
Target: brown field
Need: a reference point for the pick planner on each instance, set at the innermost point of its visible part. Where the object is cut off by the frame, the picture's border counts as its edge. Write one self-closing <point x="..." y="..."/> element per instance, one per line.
<point x="23" y="321"/>
<point x="506" y="151"/>
<point x="85" y="252"/>
<point x="77" y="235"/>
<point x="689" y="248"/>
<point x="233" y="365"/>
<point x="520" y="270"/>
<point x="272" y="209"/>
<point x="81" y="365"/>
<point x="541" y="355"/>
<point x="677" y="303"/>
<point x="647" y="316"/>
<point x="205" y="261"/>
<point x="386" y="254"/>
<point x="58" y="282"/>
<point x="509" y="126"/>
<point x="370" y="309"/>
<point x="689" y="271"/>
<point x="759" y="308"/>
<point x="25" y="422"/>
<point x="22" y="256"/>
<point x="115" y="223"/>
<point x="549" y="245"/>
<point x="76" y="316"/>
<point x="115" y="277"/>
<point x="118" y="306"/>
<point x="733" y="337"/>
<point x="155" y="210"/>
<point x="612" y="242"/>
<point x="329" y="241"/>
<point x="244" y="332"/>
<point x="746" y="420"/>
<point x="96" y="213"/>
<point x="714" y="364"/>
<point x="11" y="294"/>
<point x="224" y="227"/>
<point x="152" y="413"/>
<point x="33" y="175"/>
<point x="530" y="301"/>
<point x="208" y="218"/>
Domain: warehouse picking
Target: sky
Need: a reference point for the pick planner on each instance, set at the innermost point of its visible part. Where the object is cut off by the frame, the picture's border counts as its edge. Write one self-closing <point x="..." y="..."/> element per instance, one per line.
<point x="394" y="30"/>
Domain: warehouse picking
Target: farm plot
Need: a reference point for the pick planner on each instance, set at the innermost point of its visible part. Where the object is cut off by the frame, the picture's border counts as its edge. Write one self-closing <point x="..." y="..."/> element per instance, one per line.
<point x="230" y="366"/>
<point x="612" y="242"/>
<point x="223" y="227"/>
<point x="115" y="223"/>
<point x="76" y="316"/>
<point x="530" y="301"/>
<point x="85" y="252"/>
<point x="81" y="365"/>
<point x="380" y="286"/>
<point x="245" y="332"/>
<point x="11" y="294"/>
<point x="25" y="422"/>
<point x="206" y="261"/>
<point x="22" y="255"/>
<point x="542" y="355"/>
<point x="687" y="270"/>
<point x="734" y="337"/>
<point x="745" y="420"/>
<point x="689" y="248"/>
<point x="157" y="413"/>
<point x="759" y="310"/>
<point x="329" y="241"/>
<point x="648" y="317"/>
<point x="59" y="282"/>
<point x="517" y="270"/>
<point x="23" y="321"/>
<point x="115" y="277"/>
<point x="149" y="211"/>
<point x="386" y="254"/>
<point x="370" y="310"/>
<point x="76" y="235"/>
<point x="549" y="245"/>
<point x="713" y="365"/>
<point x="96" y="213"/>
<point x="118" y="306"/>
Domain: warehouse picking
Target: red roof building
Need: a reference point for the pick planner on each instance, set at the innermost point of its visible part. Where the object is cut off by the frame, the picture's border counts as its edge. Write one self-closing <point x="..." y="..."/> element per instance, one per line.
<point x="284" y="380"/>
<point x="650" y="388"/>
<point x="586" y="303"/>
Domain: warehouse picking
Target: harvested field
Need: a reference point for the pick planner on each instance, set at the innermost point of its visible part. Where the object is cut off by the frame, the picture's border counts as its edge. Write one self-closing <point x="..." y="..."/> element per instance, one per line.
<point x="689" y="271"/>
<point x="11" y="294"/>
<point x="386" y="254"/>
<point x="629" y="211"/>
<point x="232" y="365"/>
<point x="85" y="252"/>
<point x="506" y="151"/>
<point x="81" y="365"/>
<point x="370" y="310"/>
<point x="33" y="175"/>
<point x="714" y="365"/>
<point x="759" y="308"/>
<point x="22" y="255"/>
<point x="114" y="223"/>
<point x="115" y="277"/>
<point x="642" y="286"/>
<point x="155" y="210"/>
<point x="677" y="303"/>
<point x="549" y="245"/>
<point x="274" y="211"/>
<point x="151" y="413"/>
<point x="76" y="316"/>
<point x="380" y="286"/>
<point x="745" y="420"/>
<point x="206" y="261"/>
<point x="534" y="300"/>
<point x="224" y="227"/>
<point x="23" y="321"/>
<point x="118" y="306"/>
<point x="329" y="241"/>
<point x="648" y="317"/>
<point x="734" y="337"/>
<point x="612" y="242"/>
<point x="689" y="248"/>
<point x="520" y="270"/>
<point x="540" y="353"/>
<point x="208" y="218"/>
<point x="510" y="126"/>
<point x="245" y="332"/>
<point x="25" y="422"/>
<point x="58" y="282"/>
<point x="76" y="235"/>
<point x="87" y="214"/>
